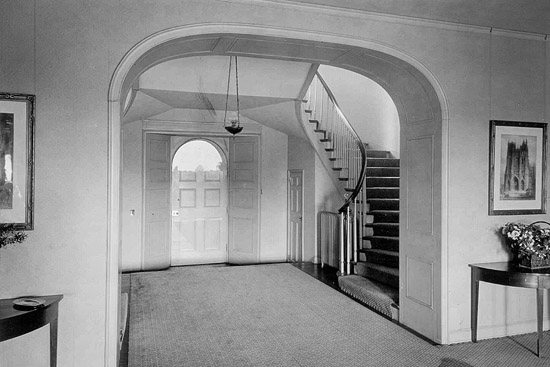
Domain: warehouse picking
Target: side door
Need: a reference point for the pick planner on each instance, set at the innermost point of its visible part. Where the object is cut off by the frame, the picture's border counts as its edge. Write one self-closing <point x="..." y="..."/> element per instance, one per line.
<point x="420" y="228"/>
<point x="244" y="209"/>
<point x="295" y="214"/>
<point x="157" y="186"/>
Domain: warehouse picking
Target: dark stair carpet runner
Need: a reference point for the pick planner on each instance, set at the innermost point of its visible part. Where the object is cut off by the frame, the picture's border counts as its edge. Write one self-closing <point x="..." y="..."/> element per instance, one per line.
<point x="375" y="281"/>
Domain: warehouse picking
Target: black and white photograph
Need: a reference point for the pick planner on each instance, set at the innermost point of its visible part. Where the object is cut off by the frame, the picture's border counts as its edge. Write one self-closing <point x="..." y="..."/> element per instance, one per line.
<point x="250" y="183"/>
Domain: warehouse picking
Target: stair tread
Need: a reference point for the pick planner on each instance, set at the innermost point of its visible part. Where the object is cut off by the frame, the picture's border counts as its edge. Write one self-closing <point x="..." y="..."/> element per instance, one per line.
<point x="392" y="224"/>
<point x="379" y="251"/>
<point x="381" y="237"/>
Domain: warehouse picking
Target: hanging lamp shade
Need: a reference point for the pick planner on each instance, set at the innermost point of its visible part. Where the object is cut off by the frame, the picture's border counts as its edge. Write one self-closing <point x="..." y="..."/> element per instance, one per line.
<point x="232" y="123"/>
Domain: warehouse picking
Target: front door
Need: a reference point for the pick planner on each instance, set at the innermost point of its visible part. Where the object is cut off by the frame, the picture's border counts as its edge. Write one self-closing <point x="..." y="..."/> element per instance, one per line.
<point x="199" y="201"/>
<point x="295" y="214"/>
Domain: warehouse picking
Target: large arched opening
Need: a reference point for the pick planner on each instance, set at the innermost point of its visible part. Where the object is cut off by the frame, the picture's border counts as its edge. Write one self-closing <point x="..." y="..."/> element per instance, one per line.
<point x="423" y="117"/>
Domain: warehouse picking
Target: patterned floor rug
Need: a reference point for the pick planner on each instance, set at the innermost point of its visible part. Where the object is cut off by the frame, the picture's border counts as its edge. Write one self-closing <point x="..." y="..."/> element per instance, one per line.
<point x="276" y="315"/>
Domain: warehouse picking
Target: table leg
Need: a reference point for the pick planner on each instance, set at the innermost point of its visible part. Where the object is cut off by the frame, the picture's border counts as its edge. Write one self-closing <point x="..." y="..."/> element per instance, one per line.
<point x="53" y="343"/>
<point x="540" y="294"/>
<point x="474" y="289"/>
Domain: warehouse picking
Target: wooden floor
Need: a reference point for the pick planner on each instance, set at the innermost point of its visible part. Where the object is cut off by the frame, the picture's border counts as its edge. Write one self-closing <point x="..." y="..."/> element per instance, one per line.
<point x="325" y="274"/>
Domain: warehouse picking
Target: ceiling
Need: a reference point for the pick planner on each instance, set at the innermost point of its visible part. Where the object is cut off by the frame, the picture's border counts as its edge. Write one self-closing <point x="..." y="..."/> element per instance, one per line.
<point x="195" y="89"/>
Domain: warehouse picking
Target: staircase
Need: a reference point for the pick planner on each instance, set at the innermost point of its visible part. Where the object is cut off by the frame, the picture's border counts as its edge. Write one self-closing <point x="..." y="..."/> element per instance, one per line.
<point x="369" y="218"/>
<point x="376" y="278"/>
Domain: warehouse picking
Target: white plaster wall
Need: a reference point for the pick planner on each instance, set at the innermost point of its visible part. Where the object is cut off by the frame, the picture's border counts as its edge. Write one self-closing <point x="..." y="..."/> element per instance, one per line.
<point x="273" y="240"/>
<point x="65" y="52"/>
<point x="367" y="106"/>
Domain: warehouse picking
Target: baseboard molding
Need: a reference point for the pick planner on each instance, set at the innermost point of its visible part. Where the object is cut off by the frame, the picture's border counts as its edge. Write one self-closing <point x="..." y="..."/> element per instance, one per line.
<point x="497" y="331"/>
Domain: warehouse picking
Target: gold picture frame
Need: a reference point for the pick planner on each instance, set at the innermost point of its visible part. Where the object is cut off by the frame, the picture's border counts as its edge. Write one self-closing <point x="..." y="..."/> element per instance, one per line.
<point x="17" y="119"/>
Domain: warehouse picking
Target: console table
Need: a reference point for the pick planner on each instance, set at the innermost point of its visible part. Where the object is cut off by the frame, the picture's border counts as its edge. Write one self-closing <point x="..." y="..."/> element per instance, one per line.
<point x="14" y="323"/>
<point x="509" y="274"/>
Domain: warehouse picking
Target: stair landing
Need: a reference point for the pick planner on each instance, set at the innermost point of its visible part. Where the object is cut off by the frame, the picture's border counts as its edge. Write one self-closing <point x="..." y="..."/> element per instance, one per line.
<point x="376" y="295"/>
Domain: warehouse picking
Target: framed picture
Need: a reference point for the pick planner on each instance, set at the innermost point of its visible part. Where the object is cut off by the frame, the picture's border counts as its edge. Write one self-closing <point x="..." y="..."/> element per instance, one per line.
<point x="17" y="160"/>
<point x="517" y="171"/>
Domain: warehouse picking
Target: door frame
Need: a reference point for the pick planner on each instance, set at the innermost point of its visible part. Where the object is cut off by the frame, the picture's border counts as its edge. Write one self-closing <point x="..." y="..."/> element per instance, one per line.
<point x="134" y="62"/>
<point x="225" y="157"/>
<point x="288" y="243"/>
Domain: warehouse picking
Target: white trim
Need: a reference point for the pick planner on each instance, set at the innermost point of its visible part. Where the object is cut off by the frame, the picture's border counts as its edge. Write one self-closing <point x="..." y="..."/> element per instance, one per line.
<point x="518" y="34"/>
<point x="114" y="127"/>
<point x="366" y="15"/>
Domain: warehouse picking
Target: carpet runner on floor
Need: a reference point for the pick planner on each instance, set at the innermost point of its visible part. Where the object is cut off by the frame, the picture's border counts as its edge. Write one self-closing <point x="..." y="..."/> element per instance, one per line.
<point x="276" y="315"/>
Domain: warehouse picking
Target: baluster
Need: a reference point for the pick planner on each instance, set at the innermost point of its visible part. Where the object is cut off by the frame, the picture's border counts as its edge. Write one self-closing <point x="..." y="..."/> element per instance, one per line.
<point x="342" y="245"/>
<point x="348" y="241"/>
<point x="355" y="217"/>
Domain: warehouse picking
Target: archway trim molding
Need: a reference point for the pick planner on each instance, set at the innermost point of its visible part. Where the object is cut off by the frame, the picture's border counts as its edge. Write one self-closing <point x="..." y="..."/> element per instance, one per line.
<point x="114" y="144"/>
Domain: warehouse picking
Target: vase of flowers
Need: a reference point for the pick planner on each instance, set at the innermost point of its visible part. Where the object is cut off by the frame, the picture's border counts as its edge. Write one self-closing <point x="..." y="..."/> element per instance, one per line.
<point x="10" y="235"/>
<point x="530" y="243"/>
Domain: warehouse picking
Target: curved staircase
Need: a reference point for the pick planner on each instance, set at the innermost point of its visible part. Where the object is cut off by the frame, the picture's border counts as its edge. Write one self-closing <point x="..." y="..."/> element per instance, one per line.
<point x="369" y="218"/>
<point x="375" y="281"/>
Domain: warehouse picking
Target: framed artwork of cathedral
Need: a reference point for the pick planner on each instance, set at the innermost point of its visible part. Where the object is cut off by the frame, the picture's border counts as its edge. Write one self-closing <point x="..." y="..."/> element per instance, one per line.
<point x="517" y="170"/>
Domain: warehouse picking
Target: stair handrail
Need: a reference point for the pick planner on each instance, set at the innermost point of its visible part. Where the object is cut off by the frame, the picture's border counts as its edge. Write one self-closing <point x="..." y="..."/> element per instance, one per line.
<point x="360" y="144"/>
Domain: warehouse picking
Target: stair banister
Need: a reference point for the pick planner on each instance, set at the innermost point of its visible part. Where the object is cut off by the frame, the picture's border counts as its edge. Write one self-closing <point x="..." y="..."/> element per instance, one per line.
<point x="347" y="153"/>
<point x="356" y="172"/>
<point x="350" y="131"/>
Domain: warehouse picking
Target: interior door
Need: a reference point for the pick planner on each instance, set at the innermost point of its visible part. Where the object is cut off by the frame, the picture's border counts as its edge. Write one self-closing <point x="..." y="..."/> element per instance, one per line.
<point x="295" y="214"/>
<point x="199" y="202"/>
<point x="156" y="236"/>
<point x="244" y="200"/>
<point x="420" y="228"/>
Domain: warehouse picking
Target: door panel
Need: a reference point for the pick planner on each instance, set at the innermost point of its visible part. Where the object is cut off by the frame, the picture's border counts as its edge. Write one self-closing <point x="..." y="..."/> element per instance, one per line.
<point x="244" y="200"/>
<point x="420" y="250"/>
<point x="156" y="240"/>
<point x="295" y="214"/>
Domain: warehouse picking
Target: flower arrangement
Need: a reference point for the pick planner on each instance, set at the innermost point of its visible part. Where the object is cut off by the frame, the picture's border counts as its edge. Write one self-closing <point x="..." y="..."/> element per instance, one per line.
<point x="528" y="239"/>
<point x="9" y="235"/>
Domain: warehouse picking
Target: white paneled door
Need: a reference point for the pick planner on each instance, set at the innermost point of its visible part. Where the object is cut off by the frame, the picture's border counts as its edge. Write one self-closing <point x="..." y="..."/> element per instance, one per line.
<point x="156" y="231"/>
<point x="420" y="229"/>
<point x="244" y="200"/>
<point x="199" y="202"/>
<point x="295" y="214"/>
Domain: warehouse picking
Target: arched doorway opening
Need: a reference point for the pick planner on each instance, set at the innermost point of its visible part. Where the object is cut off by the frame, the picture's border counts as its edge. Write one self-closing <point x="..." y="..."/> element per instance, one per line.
<point x="199" y="200"/>
<point x="423" y="117"/>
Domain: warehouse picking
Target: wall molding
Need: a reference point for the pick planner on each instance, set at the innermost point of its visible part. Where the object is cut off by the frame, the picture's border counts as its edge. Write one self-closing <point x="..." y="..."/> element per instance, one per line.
<point x="387" y="18"/>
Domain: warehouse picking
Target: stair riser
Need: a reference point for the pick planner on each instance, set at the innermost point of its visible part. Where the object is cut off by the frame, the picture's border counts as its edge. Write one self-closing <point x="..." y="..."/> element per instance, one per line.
<point x="382" y="172"/>
<point x="382" y="181"/>
<point x="382" y="259"/>
<point x="382" y="243"/>
<point x="378" y="153"/>
<point x="386" y="217"/>
<point x="383" y="193"/>
<point x="382" y="162"/>
<point x="382" y="204"/>
<point x="383" y="231"/>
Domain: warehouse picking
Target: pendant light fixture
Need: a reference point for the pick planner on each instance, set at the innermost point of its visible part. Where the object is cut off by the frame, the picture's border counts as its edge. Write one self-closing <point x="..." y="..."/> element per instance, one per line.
<point x="233" y="123"/>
